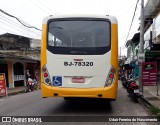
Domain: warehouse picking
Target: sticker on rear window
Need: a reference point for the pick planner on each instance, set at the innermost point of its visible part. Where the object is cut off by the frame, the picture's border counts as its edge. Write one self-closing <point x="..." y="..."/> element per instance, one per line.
<point x="57" y="80"/>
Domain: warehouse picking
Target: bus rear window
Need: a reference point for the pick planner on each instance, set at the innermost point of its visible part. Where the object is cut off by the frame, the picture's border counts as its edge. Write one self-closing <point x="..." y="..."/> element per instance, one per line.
<point x="79" y="36"/>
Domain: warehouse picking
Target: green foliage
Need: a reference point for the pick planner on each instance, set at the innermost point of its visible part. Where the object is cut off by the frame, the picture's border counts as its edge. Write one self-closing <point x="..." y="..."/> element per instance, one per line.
<point x="155" y="111"/>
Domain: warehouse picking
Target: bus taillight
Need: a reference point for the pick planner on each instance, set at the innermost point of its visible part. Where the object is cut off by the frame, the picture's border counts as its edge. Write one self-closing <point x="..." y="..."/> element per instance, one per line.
<point x="46" y="76"/>
<point x="110" y="77"/>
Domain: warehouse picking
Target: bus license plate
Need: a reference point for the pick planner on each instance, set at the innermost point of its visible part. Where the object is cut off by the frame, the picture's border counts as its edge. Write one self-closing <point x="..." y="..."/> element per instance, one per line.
<point x="136" y="91"/>
<point x="78" y="80"/>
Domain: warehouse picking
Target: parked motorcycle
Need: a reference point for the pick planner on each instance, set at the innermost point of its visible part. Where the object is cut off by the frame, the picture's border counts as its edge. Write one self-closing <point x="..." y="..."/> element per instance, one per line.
<point x="125" y="82"/>
<point x="133" y="90"/>
<point x="128" y="82"/>
<point x="35" y="84"/>
<point x="122" y="77"/>
<point x="119" y="76"/>
<point x="30" y="85"/>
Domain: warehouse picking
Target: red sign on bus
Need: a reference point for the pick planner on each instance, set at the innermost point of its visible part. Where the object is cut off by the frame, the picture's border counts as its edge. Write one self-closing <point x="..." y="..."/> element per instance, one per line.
<point x="2" y="85"/>
<point x="149" y="73"/>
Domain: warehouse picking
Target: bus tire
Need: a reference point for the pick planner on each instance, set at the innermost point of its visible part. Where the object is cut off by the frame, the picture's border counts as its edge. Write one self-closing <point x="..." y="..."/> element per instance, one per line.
<point x="67" y="98"/>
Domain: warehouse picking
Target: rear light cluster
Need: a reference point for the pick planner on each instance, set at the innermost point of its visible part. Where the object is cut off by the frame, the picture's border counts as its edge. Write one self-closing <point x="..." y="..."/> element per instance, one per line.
<point x="46" y="76"/>
<point x="110" y="76"/>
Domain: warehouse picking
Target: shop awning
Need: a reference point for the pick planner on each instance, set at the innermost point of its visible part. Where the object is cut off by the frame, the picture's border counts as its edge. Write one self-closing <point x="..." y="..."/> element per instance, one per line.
<point x="151" y="8"/>
<point x="136" y="38"/>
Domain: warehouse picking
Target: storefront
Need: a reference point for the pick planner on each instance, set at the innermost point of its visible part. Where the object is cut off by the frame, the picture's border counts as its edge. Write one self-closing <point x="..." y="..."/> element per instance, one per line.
<point x="16" y="71"/>
<point x="4" y="69"/>
<point x="154" y="57"/>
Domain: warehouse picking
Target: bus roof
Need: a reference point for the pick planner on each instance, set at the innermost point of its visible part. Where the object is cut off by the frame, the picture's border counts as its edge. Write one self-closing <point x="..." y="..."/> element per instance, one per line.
<point x="113" y="19"/>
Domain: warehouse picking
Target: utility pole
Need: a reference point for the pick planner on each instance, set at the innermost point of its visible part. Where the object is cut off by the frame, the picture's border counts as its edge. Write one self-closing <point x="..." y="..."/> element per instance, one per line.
<point x="141" y="45"/>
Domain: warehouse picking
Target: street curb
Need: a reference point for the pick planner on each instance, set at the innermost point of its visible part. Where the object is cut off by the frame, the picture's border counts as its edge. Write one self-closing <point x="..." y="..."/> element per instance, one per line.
<point x="149" y="105"/>
<point x="14" y="93"/>
<point x="145" y="102"/>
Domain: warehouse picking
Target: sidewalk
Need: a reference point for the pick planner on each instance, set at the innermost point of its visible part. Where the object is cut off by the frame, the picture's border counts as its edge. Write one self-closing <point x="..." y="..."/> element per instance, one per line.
<point x="16" y="90"/>
<point x="150" y="95"/>
<point x="151" y="98"/>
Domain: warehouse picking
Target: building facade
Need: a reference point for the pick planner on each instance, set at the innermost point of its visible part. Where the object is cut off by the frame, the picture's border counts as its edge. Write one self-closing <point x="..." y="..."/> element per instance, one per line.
<point x="19" y="55"/>
<point x="151" y="38"/>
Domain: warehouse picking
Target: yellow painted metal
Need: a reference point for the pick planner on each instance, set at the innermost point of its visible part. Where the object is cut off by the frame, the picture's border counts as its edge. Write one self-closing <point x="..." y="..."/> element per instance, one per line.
<point x="43" y="49"/>
<point x="107" y="92"/>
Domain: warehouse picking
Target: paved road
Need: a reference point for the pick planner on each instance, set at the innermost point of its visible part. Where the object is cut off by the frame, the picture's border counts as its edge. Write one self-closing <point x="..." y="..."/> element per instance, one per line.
<point x="31" y="104"/>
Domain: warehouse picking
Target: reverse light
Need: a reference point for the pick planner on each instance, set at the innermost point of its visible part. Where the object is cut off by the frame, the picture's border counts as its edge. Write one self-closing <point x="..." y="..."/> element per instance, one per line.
<point x="109" y="81"/>
<point x="46" y="76"/>
<point x="110" y="77"/>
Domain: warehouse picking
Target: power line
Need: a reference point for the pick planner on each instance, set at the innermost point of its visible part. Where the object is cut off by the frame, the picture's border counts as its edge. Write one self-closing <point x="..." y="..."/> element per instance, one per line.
<point x="5" y="29"/>
<point x="10" y="24"/>
<point x="19" y="29"/>
<point x="50" y="6"/>
<point x="16" y="24"/>
<point x="14" y="27"/>
<point x="11" y="21"/>
<point x="47" y="6"/>
<point x="41" y="8"/>
<point x="127" y="10"/>
<point x="18" y="20"/>
<point x="132" y="20"/>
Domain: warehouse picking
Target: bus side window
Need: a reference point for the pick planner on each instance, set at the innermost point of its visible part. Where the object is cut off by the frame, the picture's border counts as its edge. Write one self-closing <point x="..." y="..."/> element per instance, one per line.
<point x="53" y="41"/>
<point x="50" y="39"/>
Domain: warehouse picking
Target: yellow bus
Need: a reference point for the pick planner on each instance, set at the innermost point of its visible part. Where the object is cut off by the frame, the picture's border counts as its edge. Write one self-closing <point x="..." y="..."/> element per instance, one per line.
<point x="79" y="56"/>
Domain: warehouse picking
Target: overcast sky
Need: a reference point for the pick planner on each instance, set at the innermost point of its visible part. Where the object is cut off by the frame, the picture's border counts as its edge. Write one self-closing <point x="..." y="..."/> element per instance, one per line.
<point x="33" y="11"/>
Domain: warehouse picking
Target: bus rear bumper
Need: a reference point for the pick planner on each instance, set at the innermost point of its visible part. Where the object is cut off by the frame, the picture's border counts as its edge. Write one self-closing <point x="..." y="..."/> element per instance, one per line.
<point x="105" y="92"/>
